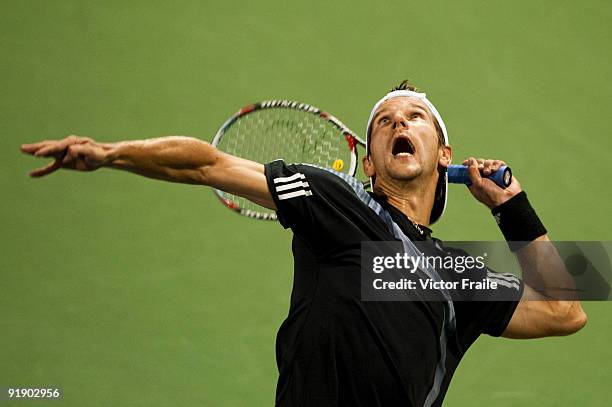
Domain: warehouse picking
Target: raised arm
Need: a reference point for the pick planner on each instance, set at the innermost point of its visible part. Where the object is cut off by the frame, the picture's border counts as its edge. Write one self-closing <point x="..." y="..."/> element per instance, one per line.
<point x="544" y="312"/>
<point x="173" y="158"/>
<point x="547" y="312"/>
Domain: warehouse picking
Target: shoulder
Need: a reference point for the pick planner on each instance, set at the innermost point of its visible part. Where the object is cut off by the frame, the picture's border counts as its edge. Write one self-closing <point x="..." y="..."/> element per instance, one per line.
<point x="307" y="177"/>
<point x="308" y="195"/>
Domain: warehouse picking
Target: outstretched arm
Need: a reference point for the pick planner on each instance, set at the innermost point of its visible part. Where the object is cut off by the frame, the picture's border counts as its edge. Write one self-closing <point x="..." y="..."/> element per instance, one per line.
<point x="538" y="314"/>
<point x="174" y="158"/>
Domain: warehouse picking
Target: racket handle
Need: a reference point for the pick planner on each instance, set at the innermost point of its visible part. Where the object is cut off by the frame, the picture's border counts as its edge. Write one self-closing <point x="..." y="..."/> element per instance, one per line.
<point x="458" y="174"/>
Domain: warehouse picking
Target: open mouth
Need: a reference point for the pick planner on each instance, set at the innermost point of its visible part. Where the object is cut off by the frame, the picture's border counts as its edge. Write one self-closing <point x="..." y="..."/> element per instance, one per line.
<point x="402" y="147"/>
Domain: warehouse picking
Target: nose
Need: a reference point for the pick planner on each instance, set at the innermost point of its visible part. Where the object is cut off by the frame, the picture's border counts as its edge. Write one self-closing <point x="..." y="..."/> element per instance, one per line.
<point x="399" y="121"/>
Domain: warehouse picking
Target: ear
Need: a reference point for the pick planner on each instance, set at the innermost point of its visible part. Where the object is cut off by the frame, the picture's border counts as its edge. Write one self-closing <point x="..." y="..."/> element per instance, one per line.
<point x="446" y="154"/>
<point x="368" y="167"/>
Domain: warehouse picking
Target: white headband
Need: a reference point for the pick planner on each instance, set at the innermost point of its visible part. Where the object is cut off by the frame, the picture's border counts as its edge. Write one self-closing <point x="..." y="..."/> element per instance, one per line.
<point x="410" y="94"/>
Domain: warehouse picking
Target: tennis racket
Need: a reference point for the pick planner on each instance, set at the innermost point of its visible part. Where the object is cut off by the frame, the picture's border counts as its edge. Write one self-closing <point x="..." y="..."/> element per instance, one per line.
<point x="458" y="174"/>
<point x="281" y="129"/>
<point x="300" y="133"/>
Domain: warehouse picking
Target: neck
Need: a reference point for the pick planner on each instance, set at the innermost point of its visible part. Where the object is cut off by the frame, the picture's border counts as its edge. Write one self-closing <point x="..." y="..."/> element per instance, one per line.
<point x="413" y="199"/>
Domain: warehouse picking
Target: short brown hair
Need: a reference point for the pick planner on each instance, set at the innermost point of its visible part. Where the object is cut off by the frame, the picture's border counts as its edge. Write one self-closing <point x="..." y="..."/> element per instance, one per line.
<point x="405" y="85"/>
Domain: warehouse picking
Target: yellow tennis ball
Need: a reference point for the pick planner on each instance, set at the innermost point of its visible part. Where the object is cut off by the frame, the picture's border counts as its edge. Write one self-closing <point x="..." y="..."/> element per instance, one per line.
<point x="338" y="165"/>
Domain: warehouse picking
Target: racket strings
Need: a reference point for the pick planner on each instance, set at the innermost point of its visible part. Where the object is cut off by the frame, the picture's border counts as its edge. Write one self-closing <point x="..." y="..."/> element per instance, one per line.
<point x="289" y="134"/>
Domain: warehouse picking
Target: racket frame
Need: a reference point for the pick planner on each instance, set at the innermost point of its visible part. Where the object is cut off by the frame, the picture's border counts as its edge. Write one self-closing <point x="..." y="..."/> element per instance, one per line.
<point x="350" y="136"/>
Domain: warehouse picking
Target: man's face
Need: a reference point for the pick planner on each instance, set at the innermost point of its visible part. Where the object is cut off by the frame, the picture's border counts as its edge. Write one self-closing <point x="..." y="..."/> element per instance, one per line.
<point x="404" y="144"/>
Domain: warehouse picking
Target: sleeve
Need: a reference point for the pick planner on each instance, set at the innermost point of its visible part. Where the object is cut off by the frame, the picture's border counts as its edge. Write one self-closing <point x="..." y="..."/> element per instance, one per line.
<point x="481" y="308"/>
<point x="492" y="317"/>
<point x="310" y="200"/>
<point x="291" y="191"/>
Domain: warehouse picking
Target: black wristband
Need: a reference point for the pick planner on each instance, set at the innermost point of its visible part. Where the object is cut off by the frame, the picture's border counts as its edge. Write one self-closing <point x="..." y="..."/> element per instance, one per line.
<point x="518" y="221"/>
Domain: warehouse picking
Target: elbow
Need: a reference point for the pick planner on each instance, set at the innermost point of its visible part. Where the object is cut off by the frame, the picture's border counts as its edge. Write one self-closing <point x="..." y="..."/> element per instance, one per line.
<point x="571" y="318"/>
<point x="574" y="324"/>
<point x="579" y="321"/>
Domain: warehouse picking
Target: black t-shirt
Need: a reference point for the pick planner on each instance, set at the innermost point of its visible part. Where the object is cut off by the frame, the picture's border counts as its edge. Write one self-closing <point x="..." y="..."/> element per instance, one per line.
<point x="334" y="349"/>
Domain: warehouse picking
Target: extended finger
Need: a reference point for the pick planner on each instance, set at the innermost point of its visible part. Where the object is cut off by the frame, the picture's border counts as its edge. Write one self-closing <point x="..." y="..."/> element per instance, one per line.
<point x="55" y="147"/>
<point x="50" y="150"/>
<point x="47" y="169"/>
<point x="36" y="147"/>
<point x="31" y="147"/>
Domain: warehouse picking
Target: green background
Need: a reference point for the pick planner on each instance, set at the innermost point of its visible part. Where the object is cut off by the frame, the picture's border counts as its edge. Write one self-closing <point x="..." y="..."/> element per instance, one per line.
<point x="126" y="291"/>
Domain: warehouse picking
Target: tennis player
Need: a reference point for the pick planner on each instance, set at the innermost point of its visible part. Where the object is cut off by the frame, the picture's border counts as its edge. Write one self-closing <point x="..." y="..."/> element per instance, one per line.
<point x="335" y="349"/>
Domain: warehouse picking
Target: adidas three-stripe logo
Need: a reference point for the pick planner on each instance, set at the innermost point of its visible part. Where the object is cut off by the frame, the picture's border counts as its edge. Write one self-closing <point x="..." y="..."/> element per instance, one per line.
<point x="505" y="279"/>
<point x="290" y="187"/>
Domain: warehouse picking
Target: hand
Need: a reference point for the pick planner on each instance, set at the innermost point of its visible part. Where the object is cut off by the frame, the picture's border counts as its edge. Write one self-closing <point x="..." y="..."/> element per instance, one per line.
<point x="485" y="190"/>
<point x="73" y="152"/>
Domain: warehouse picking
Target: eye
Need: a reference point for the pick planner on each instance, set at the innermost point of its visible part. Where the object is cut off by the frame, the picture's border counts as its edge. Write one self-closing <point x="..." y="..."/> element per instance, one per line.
<point x="416" y="115"/>
<point x="383" y="120"/>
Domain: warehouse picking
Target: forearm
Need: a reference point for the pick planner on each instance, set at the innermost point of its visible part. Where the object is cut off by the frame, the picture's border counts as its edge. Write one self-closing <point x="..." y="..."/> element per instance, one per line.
<point x="549" y="305"/>
<point x="544" y="270"/>
<point x="556" y="309"/>
<point x="173" y="158"/>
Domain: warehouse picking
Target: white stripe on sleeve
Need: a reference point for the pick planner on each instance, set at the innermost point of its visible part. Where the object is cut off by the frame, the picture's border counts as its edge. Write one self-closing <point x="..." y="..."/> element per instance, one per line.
<point x="293" y="194"/>
<point x="302" y="184"/>
<point x="295" y="176"/>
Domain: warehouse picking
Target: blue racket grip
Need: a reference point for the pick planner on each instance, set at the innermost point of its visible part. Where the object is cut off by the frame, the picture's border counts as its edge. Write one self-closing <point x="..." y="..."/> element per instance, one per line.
<point x="458" y="174"/>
